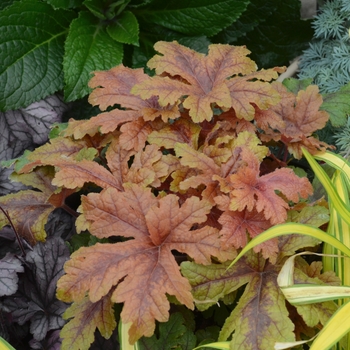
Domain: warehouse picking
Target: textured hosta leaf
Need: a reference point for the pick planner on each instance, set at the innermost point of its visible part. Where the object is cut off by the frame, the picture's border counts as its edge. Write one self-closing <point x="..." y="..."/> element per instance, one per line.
<point x="32" y="38"/>
<point x="125" y="29"/>
<point x="197" y="17"/>
<point x="172" y="335"/>
<point x="78" y="333"/>
<point x="35" y="300"/>
<point x="9" y="267"/>
<point x="88" y="48"/>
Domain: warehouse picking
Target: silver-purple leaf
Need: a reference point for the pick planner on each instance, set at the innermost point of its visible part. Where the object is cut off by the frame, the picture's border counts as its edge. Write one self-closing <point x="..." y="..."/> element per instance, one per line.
<point x="9" y="267"/>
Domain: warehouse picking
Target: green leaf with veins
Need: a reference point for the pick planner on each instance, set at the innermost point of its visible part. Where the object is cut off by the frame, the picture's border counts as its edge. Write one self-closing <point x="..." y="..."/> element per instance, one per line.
<point x="88" y="48"/>
<point x="125" y="29"/>
<point x="260" y="317"/>
<point x="172" y="335"/>
<point x="32" y="38"/>
<point x="249" y="19"/>
<point x="64" y="4"/>
<point x="196" y="17"/>
<point x="280" y="38"/>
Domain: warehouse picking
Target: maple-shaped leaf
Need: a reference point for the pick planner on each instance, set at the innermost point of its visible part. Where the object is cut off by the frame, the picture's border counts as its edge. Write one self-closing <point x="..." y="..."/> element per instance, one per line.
<point x="86" y="316"/>
<point x="35" y="299"/>
<point x="294" y="119"/>
<point x="172" y="335"/>
<point x="142" y="269"/>
<point x="249" y="190"/>
<point x="111" y="88"/>
<point x="29" y="209"/>
<point x="237" y="225"/>
<point x="48" y="154"/>
<point x="261" y="317"/>
<point x="315" y="313"/>
<point x="206" y="80"/>
<point x="10" y="265"/>
<point x="214" y="163"/>
<point x="182" y="131"/>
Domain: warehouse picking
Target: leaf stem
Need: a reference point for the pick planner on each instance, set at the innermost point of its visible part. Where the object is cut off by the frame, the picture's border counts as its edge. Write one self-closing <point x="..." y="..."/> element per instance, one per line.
<point x="15" y="231"/>
<point x="69" y="210"/>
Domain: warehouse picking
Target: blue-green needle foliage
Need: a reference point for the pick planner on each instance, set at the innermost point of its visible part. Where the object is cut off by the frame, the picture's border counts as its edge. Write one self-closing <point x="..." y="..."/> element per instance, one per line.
<point x="327" y="60"/>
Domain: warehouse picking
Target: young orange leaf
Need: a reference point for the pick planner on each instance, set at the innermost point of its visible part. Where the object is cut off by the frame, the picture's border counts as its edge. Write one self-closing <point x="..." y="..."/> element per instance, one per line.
<point x="250" y="191"/>
<point x="295" y="118"/>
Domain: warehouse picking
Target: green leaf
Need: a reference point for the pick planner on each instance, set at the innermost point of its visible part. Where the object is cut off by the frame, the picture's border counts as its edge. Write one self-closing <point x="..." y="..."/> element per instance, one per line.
<point x="125" y="29"/>
<point x="295" y="85"/>
<point x="151" y="34"/>
<point x="262" y="300"/>
<point x="315" y="216"/>
<point x="249" y="19"/>
<point x="334" y="330"/>
<point x="97" y="7"/>
<point x="172" y="334"/>
<point x="342" y="208"/>
<point x="88" y="48"/>
<point x="279" y="39"/>
<point x="6" y="3"/>
<point x="197" y="17"/>
<point x="4" y="345"/>
<point x="337" y="104"/>
<point x="288" y="228"/>
<point x="64" y="4"/>
<point x="32" y="38"/>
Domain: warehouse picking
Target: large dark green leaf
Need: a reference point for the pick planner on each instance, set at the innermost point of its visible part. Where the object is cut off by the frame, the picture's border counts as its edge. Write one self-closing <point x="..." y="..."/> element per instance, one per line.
<point x="32" y="38"/>
<point x="280" y="38"/>
<point x="256" y="13"/>
<point x="196" y="17"/>
<point x="88" y="48"/>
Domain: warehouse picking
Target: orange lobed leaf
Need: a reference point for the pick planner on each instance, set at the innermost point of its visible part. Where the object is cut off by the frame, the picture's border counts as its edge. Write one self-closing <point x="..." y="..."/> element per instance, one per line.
<point x="213" y="163"/>
<point x="206" y="80"/>
<point x="142" y="269"/>
<point x="249" y="190"/>
<point x="73" y="174"/>
<point x="113" y="87"/>
<point x="48" y="153"/>
<point x="294" y="119"/>
<point x="237" y="224"/>
<point x="182" y="130"/>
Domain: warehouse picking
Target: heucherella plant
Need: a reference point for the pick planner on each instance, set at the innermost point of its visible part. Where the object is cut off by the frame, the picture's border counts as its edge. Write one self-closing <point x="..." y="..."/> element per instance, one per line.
<point x="176" y="175"/>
